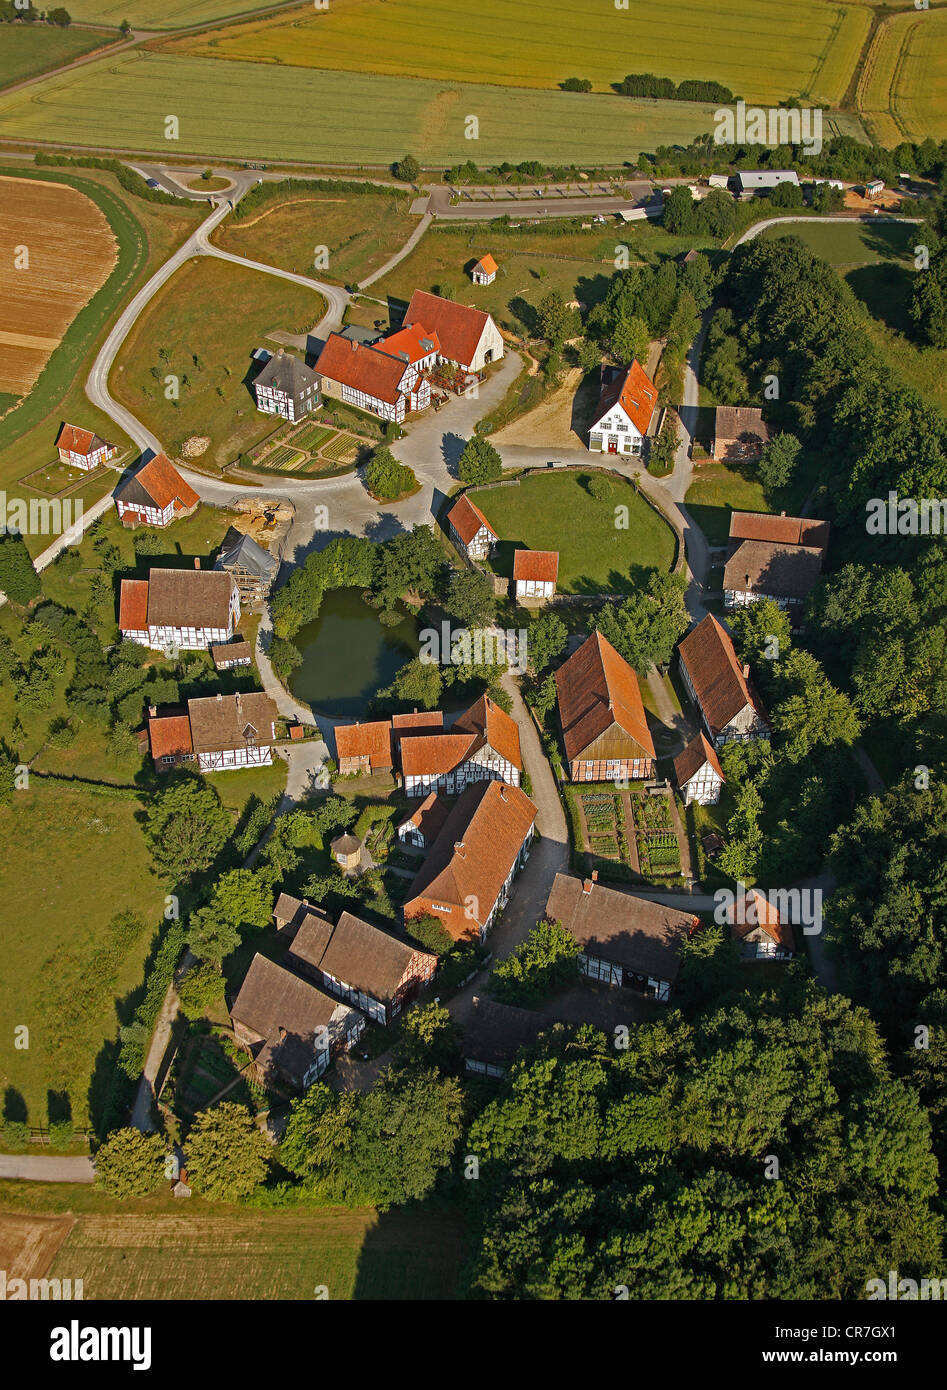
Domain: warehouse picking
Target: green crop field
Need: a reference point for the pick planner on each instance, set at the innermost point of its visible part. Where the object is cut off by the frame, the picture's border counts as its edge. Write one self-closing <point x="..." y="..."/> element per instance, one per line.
<point x="61" y="844"/>
<point x="28" y="49"/>
<point x="556" y="512"/>
<point x="251" y="110"/>
<point x="902" y="92"/>
<point x="762" y="49"/>
<point x="215" y="401"/>
<point x="360" y="231"/>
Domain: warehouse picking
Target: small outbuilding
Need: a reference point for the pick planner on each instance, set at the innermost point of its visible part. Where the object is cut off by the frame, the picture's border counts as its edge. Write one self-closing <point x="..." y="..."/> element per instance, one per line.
<point x="485" y="271"/>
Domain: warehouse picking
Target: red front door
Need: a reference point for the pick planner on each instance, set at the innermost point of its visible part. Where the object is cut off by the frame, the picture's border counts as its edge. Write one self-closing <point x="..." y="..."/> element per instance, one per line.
<point x="613" y="446"/>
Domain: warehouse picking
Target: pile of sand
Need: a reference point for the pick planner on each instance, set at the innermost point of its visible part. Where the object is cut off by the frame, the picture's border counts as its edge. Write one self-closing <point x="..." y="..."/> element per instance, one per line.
<point x="195" y="446"/>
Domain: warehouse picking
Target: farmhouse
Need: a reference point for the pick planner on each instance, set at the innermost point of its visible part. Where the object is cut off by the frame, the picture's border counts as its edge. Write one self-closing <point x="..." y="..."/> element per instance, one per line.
<point x="227" y="655"/>
<point x="777" y="557"/>
<point x="155" y="496"/>
<point x="419" y="722"/>
<point x="469" y="338"/>
<point x="364" y="748"/>
<point x="625" y="941"/>
<point x="286" y="387"/>
<point x="483" y="744"/>
<point x="422" y="827"/>
<point x="222" y="731"/>
<point x="413" y="345"/>
<point x="535" y="572"/>
<point x="494" y="1034"/>
<point x="739" y="433"/>
<point x="698" y="772"/>
<point x="83" y="448"/>
<point x="186" y="610"/>
<point x="756" y="924"/>
<point x="719" y="686"/>
<point x="625" y="406"/>
<point x="358" y="963"/>
<point x="601" y="714"/>
<point x="470" y="530"/>
<point x="253" y="568"/>
<point x="290" y="1028"/>
<point x="466" y="878"/>
<point x="485" y="271"/>
<point x="387" y="385"/>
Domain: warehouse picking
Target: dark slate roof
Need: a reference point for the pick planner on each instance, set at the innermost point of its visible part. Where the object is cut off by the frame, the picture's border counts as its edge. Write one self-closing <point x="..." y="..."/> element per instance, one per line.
<point x="633" y="932"/>
<point x="286" y="373"/>
<point x="244" y="551"/>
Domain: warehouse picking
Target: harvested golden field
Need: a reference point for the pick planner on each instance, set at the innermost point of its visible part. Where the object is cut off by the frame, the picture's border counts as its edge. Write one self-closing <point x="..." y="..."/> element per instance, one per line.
<point x="56" y="251"/>
<point x="261" y="1255"/>
<point x="902" y="92"/>
<point x="28" y="1244"/>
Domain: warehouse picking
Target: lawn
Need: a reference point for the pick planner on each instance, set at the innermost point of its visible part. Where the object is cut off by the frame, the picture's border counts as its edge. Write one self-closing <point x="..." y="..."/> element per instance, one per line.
<point x="146" y="233"/>
<point x="715" y="492"/>
<point x="181" y="324"/>
<point x="556" y="512"/>
<point x="250" y="110"/>
<point x="785" y="48"/>
<point x="72" y="860"/>
<point x="31" y="48"/>
<point x="902" y="91"/>
<point x="359" y="230"/>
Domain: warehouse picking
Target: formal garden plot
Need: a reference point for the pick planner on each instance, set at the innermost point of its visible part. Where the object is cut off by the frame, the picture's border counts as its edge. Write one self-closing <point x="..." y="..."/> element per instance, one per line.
<point x="342" y="449"/>
<point x="659" y="853"/>
<point x="312" y="437"/>
<point x="602" y="816"/>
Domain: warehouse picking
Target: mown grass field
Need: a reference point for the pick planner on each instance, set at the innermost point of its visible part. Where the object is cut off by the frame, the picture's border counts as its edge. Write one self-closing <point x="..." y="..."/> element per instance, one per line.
<point x="715" y="492"/>
<point x="146" y="233"/>
<point x="556" y="512"/>
<point x="902" y="90"/>
<point x="767" y="50"/>
<point x="360" y="231"/>
<point x="251" y="110"/>
<point x="157" y="1247"/>
<point x="184" y="321"/>
<point x="26" y="49"/>
<point x="71" y="861"/>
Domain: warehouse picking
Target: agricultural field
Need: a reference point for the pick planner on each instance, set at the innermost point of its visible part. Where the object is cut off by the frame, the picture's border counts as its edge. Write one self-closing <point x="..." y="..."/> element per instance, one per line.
<point x="28" y="1243"/>
<point x="158" y="14"/>
<point x="27" y="49"/>
<point x="63" y="251"/>
<point x="249" y="110"/>
<point x="359" y="230"/>
<point x="902" y="90"/>
<point x="781" y="48"/>
<point x="556" y="512"/>
<point x="145" y="233"/>
<point x="61" y="844"/>
<point x="182" y="335"/>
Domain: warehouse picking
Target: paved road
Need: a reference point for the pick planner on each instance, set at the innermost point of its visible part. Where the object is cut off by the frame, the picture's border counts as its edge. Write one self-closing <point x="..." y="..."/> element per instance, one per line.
<point x="42" y="1168"/>
<point x="757" y="227"/>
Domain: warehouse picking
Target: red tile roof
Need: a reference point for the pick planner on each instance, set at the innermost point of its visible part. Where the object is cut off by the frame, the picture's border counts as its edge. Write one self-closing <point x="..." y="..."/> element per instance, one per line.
<point x="79" y="441"/>
<point x="170" y="735"/>
<point x="459" y="328"/>
<point x="487" y="265"/>
<point x="596" y="689"/>
<point x="716" y="675"/>
<point x="467" y="519"/>
<point x="789" y="530"/>
<point x="362" y="368"/>
<point x="431" y="755"/>
<point x="492" y="725"/>
<point x="164" y="484"/>
<point x="536" y="564"/>
<point x="372" y="741"/>
<point x="755" y="910"/>
<point x="414" y="342"/>
<point x="472" y="857"/>
<point x="691" y="760"/>
<point x="635" y="392"/>
<point x="429" y="720"/>
<point x="133" y="606"/>
<point x="428" y="816"/>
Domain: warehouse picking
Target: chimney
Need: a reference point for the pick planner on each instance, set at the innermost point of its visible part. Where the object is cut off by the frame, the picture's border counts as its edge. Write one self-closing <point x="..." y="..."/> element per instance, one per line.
<point x="595" y="875"/>
<point x="239" y="705"/>
<point x="746" y="580"/>
<point x="746" y="673"/>
<point x="152" y="711"/>
<point x="586" y="885"/>
<point x="219" y="697"/>
<point x="354" y="345"/>
<point x="502" y="791"/>
<point x="459" y="849"/>
<point x="197" y="562"/>
<point x="282" y="1035"/>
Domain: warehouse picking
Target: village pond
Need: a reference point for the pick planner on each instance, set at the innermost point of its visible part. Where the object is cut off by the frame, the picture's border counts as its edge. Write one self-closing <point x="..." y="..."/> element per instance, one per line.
<point x="348" y="655"/>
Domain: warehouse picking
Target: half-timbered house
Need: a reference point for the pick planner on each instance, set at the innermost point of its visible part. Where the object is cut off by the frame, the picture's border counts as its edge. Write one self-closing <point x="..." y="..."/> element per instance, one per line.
<point x="698" y="772"/>
<point x="155" y="495"/>
<point x="483" y="743"/>
<point x="470" y="530"/>
<point x="286" y="387"/>
<point x="626" y="403"/>
<point x="179" y="610"/>
<point x="601" y="713"/>
<point x="83" y="448"/>
<point x="720" y="687"/>
<point x="468" y="337"/>
<point x="535" y="573"/>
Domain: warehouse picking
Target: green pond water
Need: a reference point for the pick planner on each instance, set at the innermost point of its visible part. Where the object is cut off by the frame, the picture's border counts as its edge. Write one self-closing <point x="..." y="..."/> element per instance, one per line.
<point x="348" y="654"/>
